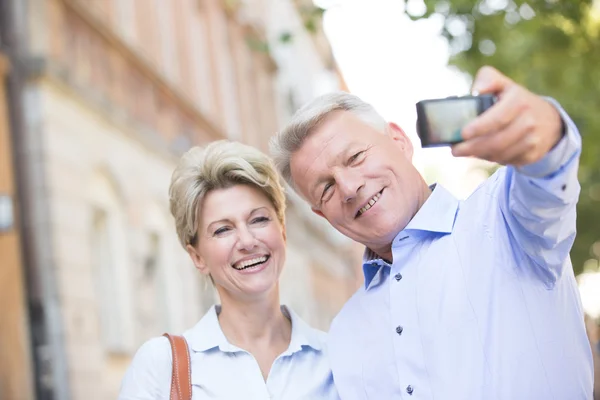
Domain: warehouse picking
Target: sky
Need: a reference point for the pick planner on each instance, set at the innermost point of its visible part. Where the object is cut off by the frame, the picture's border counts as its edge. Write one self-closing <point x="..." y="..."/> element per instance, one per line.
<point x="393" y="62"/>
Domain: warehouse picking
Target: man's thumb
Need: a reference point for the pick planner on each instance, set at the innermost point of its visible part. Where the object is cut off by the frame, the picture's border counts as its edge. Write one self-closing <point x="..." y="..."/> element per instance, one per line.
<point x="489" y="80"/>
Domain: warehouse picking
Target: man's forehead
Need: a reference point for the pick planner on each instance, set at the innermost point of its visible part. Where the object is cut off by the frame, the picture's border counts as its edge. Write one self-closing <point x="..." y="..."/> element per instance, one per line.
<point x="327" y="144"/>
<point x="321" y="149"/>
<point x="332" y="136"/>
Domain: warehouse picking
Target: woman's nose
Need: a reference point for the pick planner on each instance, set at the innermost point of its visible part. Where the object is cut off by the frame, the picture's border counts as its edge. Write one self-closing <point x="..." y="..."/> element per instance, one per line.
<point x="246" y="239"/>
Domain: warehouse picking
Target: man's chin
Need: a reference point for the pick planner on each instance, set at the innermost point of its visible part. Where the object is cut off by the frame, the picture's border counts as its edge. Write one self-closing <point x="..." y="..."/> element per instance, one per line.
<point x="378" y="240"/>
<point x="365" y="233"/>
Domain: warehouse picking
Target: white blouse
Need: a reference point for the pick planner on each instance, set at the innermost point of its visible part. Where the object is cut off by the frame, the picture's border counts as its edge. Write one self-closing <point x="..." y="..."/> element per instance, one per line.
<point x="221" y="370"/>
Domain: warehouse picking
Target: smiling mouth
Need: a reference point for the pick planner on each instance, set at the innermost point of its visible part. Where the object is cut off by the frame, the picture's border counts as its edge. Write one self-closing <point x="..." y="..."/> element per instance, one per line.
<point x="369" y="204"/>
<point x="254" y="262"/>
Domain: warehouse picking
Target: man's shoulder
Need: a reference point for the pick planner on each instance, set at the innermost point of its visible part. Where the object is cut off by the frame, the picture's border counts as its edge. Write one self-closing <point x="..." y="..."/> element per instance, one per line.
<point x="346" y="334"/>
<point x="348" y="315"/>
<point x="481" y="209"/>
<point x="482" y="200"/>
<point x="489" y="187"/>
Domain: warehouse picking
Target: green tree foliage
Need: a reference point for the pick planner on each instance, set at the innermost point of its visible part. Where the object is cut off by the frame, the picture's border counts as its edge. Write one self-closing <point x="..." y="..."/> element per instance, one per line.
<point x="553" y="48"/>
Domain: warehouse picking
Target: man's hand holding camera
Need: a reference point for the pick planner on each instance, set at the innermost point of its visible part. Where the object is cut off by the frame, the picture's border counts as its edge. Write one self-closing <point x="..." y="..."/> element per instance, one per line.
<point x="520" y="129"/>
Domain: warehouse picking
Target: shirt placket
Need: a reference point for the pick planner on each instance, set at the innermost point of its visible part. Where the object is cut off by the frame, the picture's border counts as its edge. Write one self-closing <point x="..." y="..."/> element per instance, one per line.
<point x="409" y="358"/>
<point x="258" y="388"/>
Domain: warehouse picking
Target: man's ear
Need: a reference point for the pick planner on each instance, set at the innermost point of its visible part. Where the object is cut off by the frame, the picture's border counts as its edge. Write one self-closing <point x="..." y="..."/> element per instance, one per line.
<point x="197" y="259"/>
<point x="401" y="139"/>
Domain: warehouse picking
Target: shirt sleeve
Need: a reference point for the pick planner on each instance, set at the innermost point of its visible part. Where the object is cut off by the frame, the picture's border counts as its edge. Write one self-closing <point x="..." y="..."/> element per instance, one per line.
<point x="149" y="375"/>
<point x="539" y="204"/>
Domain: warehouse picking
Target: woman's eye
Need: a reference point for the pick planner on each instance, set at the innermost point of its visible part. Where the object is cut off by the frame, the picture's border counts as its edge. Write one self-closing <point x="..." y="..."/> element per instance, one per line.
<point x="258" y="220"/>
<point x="221" y="231"/>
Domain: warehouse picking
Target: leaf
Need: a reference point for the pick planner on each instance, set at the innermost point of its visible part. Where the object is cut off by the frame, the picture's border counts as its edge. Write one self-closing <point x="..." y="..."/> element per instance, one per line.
<point x="286" y="37"/>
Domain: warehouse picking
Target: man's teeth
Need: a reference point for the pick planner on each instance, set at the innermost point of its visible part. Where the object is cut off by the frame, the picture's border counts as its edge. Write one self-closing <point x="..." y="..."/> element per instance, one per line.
<point x="248" y="263"/>
<point x="369" y="204"/>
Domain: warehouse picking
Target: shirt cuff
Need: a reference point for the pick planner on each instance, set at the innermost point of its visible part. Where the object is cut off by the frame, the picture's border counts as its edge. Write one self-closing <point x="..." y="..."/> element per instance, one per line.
<point x="561" y="154"/>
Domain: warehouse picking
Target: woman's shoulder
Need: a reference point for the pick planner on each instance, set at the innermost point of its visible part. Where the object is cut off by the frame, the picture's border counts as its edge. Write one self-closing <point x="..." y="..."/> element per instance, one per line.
<point x="149" y="375"/>
<point x="155" y="351"/>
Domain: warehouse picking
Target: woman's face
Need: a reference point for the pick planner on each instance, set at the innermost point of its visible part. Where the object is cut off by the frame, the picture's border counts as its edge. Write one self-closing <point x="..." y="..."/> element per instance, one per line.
<point x="241" y="243"/>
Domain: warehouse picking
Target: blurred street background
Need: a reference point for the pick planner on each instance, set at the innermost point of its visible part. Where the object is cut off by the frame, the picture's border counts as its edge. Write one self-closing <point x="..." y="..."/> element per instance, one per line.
<point x="99" y="98"/>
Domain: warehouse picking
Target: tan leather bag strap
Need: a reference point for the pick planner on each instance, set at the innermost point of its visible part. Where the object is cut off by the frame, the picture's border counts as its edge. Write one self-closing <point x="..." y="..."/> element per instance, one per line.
<point x="181" y="379"/>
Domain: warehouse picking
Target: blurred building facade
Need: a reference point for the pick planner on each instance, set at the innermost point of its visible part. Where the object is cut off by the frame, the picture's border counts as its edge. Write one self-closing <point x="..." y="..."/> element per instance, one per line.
<point x="16" y="367"/>
<point x="105" y="96"/>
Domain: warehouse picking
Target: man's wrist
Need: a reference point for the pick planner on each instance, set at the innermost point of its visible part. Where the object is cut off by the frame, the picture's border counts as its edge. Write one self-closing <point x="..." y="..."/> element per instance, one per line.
<point x="568" y="143"/>
<point x="562" y="132"/>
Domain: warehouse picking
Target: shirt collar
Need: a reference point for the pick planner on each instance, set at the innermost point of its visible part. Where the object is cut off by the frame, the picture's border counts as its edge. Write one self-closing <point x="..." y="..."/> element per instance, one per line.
<point x="207" y="333"/>
<point x="437" y="214"/>
<point x="302" y="333"/>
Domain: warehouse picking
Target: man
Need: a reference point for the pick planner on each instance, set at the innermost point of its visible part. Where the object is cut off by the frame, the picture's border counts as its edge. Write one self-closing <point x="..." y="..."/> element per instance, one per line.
<point x="472" y="299"/>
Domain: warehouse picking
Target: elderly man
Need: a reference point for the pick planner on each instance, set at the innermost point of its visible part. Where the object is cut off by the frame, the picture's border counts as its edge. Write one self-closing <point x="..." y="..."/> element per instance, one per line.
<point x="472" y="299"/>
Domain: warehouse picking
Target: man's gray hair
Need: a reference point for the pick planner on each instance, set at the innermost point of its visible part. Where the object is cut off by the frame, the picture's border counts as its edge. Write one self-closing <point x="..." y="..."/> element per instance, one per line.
<point x="308" y="118"/>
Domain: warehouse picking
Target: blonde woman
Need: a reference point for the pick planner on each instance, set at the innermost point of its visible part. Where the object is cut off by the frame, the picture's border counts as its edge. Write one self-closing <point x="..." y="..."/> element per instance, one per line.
<point x="229" y="206"/>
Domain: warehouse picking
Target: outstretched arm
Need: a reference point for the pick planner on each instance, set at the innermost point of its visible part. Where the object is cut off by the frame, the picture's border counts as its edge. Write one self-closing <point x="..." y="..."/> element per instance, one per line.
<point x="541" y="146"/>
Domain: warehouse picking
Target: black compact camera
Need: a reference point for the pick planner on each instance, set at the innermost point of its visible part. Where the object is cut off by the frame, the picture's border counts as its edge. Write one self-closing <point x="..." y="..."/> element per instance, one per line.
<point x="440" y="121"/>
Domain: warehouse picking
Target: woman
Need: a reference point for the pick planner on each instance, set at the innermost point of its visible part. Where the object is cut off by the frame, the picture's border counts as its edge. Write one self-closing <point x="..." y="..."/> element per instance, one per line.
<point x="229" y="208"/>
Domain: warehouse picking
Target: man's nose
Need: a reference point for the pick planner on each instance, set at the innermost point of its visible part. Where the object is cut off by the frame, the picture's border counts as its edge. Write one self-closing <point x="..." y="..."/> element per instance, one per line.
<point x="349" y="182"/>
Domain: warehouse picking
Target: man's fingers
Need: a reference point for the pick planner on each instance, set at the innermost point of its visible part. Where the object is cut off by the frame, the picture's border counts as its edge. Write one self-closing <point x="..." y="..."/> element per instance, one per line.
<point x="521" y="153"/>
<point x="497" y="145"/>
<point x="468" y="148"/>
<point x="489" y="80"/>
<point x="518" y="138"/>
<point x="496" y="117"/>
<point x="518" y="130"/>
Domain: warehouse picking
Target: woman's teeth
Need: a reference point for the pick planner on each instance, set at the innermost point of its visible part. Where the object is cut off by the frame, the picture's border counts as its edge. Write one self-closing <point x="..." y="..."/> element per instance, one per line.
<point x="250" y="263"/>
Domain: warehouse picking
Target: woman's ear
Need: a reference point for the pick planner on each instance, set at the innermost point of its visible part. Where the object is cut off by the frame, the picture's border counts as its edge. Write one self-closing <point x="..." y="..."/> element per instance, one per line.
<point x="197" y="260"/>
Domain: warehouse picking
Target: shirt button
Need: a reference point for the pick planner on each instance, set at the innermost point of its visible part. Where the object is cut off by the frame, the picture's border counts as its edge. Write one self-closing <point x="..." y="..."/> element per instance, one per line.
<point x="409" y="389"/>
<point x="398" y="276"/>
<point x="399" y="330"/>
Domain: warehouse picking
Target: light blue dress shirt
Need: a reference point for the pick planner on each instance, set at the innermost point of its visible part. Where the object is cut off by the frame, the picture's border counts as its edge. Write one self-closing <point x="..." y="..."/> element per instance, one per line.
<point x="480" y="301"/>
<point x="221" y="370"/>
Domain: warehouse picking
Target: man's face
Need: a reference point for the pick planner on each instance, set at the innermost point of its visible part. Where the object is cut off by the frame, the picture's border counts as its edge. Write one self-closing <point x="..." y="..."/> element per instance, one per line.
<point x="361" y="180"/>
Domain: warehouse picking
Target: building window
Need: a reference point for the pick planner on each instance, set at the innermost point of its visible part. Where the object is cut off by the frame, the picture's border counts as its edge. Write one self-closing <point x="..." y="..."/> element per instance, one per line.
<point x="110" y="267"/>
<point x="227" y="78"/>
<point x="107" y="293"/>
<point x="126" y="19"/>
<point x="198" y="43"/>
<point x="166" y="33"/>
<point x="151" y="290"/>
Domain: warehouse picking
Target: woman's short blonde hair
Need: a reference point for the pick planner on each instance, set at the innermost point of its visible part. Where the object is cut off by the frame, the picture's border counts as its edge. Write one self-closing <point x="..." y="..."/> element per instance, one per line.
<point x="219" y="165"/>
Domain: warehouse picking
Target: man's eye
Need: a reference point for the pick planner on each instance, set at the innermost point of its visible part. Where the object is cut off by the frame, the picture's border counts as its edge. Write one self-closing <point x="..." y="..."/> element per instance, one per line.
<point x="326" y="192"/>
<point x="355" y="157"/>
